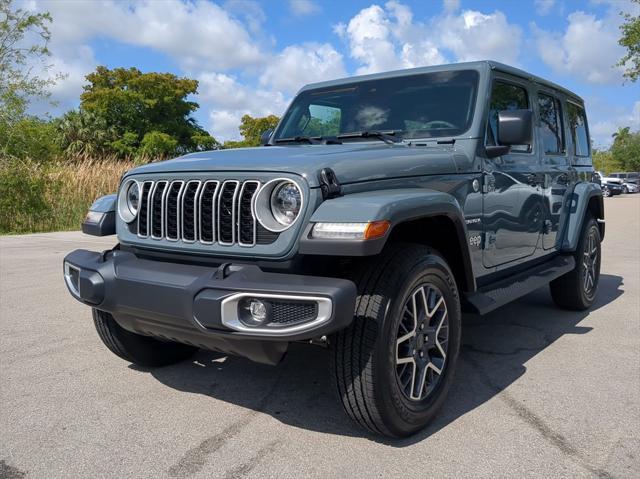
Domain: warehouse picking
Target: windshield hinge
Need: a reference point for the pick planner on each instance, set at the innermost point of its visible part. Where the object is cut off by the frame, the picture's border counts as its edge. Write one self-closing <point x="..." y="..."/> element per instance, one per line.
<point x="329" y="184"/>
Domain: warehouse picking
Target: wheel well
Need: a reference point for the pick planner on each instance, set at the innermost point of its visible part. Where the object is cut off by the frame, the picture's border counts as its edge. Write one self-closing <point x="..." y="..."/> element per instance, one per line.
<point x="441" y="234"/>
<point x="596" y="208"/>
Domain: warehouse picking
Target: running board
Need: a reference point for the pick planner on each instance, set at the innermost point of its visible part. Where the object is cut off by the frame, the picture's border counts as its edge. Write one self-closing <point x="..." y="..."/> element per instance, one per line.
<point x="497" y="294"/>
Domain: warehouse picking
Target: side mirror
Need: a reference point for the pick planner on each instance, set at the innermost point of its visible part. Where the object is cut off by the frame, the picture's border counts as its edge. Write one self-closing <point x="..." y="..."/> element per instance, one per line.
<point x="515" y="127"/>
<point x="266" y="136"/>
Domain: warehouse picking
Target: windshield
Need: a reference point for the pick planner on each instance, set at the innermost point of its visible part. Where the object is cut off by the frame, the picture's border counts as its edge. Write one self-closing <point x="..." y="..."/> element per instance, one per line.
<point x="428" y="105"/>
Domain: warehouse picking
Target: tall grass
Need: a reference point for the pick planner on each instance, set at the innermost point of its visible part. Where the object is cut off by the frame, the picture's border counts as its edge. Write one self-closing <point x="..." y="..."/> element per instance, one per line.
<point x="36" y="197"/>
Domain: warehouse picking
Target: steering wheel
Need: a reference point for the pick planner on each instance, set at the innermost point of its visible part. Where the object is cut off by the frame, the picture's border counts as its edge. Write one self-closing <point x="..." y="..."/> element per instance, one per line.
<point x="439" y="124"/>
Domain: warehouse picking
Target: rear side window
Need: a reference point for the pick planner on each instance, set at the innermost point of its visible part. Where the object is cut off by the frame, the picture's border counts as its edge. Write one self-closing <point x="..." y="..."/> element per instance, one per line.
<point x="505" y="96"/>
<point x="550" y="124"/>
<point x="578" y="129"/>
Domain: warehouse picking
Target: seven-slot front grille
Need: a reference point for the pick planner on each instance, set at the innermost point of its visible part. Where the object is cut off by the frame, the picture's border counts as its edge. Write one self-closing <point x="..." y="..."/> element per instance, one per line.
<point x="207" y="212"/>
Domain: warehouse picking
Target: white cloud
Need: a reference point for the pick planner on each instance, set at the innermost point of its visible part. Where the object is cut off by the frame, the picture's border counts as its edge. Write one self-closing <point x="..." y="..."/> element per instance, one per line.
<point x="605" y="120"/>
<point x="227" y="100"/>
<point x="473" y="35"/>
<point x="386" y="38"/>
<point x="544" y="7"/>
<point x="451" y="6"/>
<point x="197" y="34"/>
<point x="303" y="7"/>
<point x="298" y="65"/>
<point x="587" y="49"/>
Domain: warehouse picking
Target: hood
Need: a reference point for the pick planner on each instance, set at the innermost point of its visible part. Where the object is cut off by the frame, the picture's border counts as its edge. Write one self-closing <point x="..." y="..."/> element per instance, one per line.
<point x="352" y="162"/>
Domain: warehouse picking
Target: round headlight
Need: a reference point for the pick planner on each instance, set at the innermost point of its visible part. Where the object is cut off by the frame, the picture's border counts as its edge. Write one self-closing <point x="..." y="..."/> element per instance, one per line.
<point x="133" y="198"/>
<point x="128" y="201"/>
<point x="278" y="204"/>
<point x="285" y="203"/>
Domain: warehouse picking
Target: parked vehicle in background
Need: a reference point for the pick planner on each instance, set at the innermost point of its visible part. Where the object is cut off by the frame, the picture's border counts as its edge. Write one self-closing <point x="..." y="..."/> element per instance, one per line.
<point x="629" y="187"/>
<point x="611" y="188"/>
<point x="629" y="181"/>
<point x="630" y="177"/>
<point x="380" y="208"/>
<point x="610" y="185"/>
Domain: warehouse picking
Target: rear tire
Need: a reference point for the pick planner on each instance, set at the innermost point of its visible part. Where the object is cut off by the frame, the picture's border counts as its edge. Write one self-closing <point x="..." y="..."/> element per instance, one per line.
<point x="135" y="348"/>
<point x="384" y="382"/>
<point x="577" y="289"/>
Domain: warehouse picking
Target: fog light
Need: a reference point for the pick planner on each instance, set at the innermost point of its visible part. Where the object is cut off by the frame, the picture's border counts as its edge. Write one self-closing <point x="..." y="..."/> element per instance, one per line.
<point x="254" y="312"/>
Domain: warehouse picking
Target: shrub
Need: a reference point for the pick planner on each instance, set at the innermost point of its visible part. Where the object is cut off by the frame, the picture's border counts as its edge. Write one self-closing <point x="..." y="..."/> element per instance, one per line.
<point x="23" y="195"/>
<point x="29" y="137"/>
<point x="54" y="196"/>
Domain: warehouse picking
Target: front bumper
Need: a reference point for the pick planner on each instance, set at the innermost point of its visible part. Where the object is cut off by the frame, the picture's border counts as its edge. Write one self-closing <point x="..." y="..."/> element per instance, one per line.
<point x="196" y="304"/>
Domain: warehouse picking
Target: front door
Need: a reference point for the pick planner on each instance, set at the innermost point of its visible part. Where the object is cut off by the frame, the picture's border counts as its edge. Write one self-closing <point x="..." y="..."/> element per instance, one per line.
<point x="513" y="211"/>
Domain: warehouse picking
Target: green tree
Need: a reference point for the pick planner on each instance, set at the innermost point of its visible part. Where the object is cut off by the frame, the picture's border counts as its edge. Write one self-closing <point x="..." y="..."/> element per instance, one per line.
<point x="251" y="129"/>
<point x="132" y="102"/>
<point x="24" y="36"/>
<point x="630" y="40"/>
<point x="159" y="145"/>
<point x="625" y="150"/>
<point x="86" y="134"/>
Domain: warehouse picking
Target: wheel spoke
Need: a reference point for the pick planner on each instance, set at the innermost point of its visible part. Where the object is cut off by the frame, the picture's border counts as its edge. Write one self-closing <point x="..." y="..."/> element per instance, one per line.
<point x="407" y="360"/>
<point x="432" y="366"/>
<point x="416" y="392"/>
<point x="435" y="308"/>
<point x="402" y="339"/>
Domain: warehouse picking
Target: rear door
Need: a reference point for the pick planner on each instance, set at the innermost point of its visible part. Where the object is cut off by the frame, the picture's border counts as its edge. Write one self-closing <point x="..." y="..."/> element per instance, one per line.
<point x="557" y="176"/>
<point x="512" y="200"/>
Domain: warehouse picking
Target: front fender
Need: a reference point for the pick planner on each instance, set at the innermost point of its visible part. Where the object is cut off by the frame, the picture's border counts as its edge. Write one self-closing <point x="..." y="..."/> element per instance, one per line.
<point x="578" y="206"/>
<point x="397" y="206"/>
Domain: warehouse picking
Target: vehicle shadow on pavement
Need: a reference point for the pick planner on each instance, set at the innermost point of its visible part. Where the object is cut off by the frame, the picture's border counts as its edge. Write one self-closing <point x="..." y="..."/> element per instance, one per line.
<point x="298" y="393"/>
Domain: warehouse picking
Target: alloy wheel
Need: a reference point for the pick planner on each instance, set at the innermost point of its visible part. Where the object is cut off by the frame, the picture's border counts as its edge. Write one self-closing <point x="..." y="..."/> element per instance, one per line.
<point x="422" y="340"/>
<point x="590" y="263"/>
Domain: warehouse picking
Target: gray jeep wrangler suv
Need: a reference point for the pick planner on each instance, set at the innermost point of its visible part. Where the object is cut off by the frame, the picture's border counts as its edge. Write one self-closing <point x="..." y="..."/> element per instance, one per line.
<point x="379" y="210"/>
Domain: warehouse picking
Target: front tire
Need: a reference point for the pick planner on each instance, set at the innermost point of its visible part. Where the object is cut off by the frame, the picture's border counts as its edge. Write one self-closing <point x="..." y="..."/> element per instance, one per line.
<point x="395" y="364"/>
<point x="576" y="290"/>
<point x="135" y="348"/>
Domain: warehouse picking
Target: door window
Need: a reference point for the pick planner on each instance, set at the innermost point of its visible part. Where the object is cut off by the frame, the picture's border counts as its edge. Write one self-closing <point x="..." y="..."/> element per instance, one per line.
<point x="578" y="128"/>
<point x="550" y="124"/>
<point x="505" y="96"/>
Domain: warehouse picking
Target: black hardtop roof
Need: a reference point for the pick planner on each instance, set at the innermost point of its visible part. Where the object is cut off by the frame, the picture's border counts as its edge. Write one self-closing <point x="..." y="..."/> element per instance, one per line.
<point x="477" y="65"/>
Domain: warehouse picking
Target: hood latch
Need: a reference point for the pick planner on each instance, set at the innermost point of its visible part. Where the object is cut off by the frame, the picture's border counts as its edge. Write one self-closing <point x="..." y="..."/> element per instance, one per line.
<point x="329" y="184"/>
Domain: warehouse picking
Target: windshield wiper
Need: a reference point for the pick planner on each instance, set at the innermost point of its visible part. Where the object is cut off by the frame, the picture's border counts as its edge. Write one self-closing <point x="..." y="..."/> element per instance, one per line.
<point x="300" y="139"/>
<point x="388" y="136"/>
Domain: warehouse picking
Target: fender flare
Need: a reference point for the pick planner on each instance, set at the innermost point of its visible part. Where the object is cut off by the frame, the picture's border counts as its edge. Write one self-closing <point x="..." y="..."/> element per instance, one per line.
<point x="397" y="206"/>
<point x="578" y="205"/>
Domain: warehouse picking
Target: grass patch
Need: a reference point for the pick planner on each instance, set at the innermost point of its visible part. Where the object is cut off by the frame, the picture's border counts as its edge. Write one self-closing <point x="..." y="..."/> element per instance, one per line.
<point x="39" y="197"/>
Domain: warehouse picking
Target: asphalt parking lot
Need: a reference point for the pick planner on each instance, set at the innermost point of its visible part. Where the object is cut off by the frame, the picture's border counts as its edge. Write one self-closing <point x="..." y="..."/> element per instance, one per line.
<point x="539" y="393"/>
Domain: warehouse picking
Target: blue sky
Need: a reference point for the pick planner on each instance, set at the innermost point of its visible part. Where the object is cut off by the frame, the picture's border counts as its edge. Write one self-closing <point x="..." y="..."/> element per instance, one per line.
<point x="252" y="56"/>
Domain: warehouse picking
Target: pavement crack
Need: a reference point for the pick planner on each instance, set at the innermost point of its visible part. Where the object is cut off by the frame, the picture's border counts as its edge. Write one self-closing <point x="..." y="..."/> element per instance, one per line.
<point x="245" y="468"/>
<point x="10" y="472"/>
<point x="536" y="422"/>
<point x="195" y="459"/>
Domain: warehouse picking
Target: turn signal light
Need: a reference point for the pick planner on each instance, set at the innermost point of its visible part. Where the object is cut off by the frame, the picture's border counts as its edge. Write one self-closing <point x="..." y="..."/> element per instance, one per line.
<point x="351" y="231"/>
<point x="376" y="229"/>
